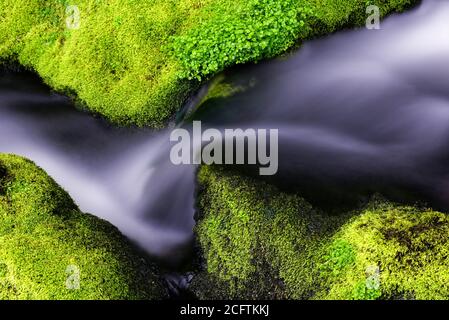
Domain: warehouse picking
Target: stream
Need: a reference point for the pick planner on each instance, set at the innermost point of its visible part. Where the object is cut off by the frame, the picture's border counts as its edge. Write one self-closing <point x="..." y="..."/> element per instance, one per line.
<point x="358" y="112"/>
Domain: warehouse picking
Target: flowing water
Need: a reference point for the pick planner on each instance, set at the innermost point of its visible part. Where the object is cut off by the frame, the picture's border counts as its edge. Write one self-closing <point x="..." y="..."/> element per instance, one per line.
<point x="358" y="112"/>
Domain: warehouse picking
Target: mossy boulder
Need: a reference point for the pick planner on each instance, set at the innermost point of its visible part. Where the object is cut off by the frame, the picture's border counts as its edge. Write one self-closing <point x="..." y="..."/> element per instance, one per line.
<point x="258" y="242"/>
<point x="390" y="252"/>
<point x="50" y="250"/>
<point x="131" y="61"/>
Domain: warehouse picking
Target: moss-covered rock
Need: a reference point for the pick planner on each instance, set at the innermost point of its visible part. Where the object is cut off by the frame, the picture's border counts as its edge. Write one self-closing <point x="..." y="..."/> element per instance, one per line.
<point x="130" y="60"/>
<point x="50" y="250"/>
<point x="390" y="252"/>
<point x="258" y="242"/>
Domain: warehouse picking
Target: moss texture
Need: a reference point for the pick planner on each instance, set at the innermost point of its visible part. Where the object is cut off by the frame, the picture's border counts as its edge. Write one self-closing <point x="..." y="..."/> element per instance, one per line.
<point x="391" y="252"/>
<point x="46" y="244"/>
<point x="258" y="242"/>
<point x="129" y="60"/>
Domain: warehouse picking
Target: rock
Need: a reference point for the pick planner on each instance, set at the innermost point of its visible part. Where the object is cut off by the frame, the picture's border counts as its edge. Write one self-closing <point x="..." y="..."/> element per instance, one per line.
<point x="259" y="243"/>
<point x="132" y="62"/>
<point x="50" y="250"/>
<point x="389" y="251"/>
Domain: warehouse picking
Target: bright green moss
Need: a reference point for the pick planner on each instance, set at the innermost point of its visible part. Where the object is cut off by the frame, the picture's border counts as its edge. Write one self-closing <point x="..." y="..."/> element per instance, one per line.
<point x="258" y="29"/>
<point x="408" y="247"/>
<point x="129" y="59"/>
<point x="45" y="241"/>
<point x="114" y="62"/>
<point x="258" y="242"/>
<point x="261" y="29"/>
<point x="339" y="256"/>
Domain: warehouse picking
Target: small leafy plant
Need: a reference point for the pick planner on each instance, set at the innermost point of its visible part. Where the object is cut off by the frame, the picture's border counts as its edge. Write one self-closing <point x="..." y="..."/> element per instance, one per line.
<point x="262" y="29"/>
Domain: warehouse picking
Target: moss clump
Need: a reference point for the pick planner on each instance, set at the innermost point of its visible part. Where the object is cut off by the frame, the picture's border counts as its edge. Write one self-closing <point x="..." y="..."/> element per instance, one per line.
<point x="130" y="60"/>
<point x="258" y="242"/>
<point x="113" y="59"/>
<point x="46" y="245"/>
<point x="398" y="252"/>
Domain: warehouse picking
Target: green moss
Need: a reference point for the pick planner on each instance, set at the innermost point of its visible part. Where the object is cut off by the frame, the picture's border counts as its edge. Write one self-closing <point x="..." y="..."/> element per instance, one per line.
<point x="257" y="29"/>
<point x="129" y="60"/>
<point x="114" y="62"/>
<point x="258" y="242"/>
<point x="46" y="244"/>
<point x="261" y="29"/>
<point x="339" y="256"/>
<point x="408" y="246"/>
